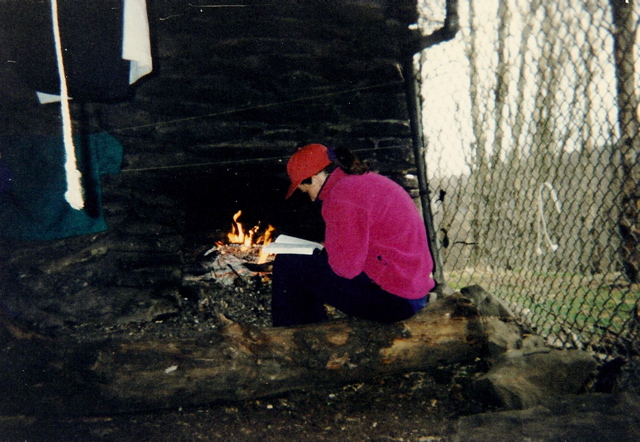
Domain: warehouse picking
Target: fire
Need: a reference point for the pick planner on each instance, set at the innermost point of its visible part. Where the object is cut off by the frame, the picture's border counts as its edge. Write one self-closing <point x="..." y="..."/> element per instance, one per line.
<point x="238" y="235"/>
<point x="247" y="237"/>
<point x="266" y="239"/>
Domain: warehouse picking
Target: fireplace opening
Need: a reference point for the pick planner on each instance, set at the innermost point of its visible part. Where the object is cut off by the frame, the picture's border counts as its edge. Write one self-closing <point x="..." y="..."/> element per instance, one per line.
<point x="220" y="279"/>
<point x="215" y="197"/>
<point x="149" y="269"/>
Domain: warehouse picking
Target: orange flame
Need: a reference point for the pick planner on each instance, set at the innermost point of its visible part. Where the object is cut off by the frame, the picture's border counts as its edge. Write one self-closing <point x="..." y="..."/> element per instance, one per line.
<point x="247" y="237"/>
<point x="266" y="239"/>
<point x="238" y="234"/>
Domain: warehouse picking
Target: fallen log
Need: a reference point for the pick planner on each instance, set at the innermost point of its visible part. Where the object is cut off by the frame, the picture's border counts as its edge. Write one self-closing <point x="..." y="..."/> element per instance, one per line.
<point x="44" y="375"/>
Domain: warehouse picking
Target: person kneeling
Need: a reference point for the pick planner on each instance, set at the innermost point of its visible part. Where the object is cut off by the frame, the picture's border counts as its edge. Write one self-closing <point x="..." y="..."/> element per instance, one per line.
<point x="376" y="263"/>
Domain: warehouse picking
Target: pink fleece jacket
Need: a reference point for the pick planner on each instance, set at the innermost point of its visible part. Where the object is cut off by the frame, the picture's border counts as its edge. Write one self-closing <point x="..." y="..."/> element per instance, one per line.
<point x="373" y="225"/>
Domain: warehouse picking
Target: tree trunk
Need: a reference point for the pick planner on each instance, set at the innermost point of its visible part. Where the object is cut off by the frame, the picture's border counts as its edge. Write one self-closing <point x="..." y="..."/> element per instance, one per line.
<point x="64" y="376"/>
<point x="624" y="48"/>
<point x="480" y="113"/>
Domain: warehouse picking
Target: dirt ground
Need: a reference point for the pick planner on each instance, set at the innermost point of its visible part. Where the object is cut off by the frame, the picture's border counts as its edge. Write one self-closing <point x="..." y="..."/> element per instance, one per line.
<point x="412" y="407"/>
<point x="416" y="406"/>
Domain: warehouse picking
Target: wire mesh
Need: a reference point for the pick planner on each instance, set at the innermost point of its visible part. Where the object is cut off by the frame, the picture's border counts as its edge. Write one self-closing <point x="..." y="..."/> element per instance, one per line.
<point x="530" y="122"/>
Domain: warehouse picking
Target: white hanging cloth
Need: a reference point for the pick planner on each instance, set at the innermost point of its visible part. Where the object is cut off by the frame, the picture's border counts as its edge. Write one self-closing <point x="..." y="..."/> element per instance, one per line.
<point x="136" y="44"/>
<point x="74" y="194"/>
<point x="136" y="48"/>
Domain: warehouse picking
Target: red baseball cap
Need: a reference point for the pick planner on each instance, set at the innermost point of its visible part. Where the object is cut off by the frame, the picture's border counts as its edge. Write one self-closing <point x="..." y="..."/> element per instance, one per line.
<point x="306" y="162"/>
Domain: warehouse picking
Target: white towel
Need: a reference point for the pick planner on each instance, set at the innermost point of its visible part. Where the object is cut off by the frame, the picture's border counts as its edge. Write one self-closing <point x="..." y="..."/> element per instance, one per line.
<point x="136" y="45"/>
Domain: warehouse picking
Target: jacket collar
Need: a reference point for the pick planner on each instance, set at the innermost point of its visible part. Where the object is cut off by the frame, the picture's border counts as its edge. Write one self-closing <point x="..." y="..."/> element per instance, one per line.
<point x="337" y="175"/>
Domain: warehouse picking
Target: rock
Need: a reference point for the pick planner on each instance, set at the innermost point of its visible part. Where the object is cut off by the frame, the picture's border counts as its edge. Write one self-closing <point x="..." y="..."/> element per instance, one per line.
<point x="501" y="337"/>
<point x="488" y="304"/>
<point x="522" y="378"/>
<point x="155" y="309"/>
<point x="585" y="417"/>
<point x="532" y="343"/>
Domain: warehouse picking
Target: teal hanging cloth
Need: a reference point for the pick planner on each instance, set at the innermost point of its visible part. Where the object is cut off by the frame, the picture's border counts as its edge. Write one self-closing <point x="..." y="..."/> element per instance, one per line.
<point x="33" y="205"/>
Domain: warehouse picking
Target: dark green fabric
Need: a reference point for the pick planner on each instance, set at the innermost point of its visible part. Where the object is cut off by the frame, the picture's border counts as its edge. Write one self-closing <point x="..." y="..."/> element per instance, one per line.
<point x="33" y="206"/>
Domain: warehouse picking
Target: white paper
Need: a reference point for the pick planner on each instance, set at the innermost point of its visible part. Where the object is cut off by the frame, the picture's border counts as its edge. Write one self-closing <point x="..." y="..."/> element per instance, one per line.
<point x="292" y="245"/>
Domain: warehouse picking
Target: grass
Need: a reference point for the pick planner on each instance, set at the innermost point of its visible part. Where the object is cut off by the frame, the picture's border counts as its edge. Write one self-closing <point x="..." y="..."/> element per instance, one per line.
<point x="560" y="303"/>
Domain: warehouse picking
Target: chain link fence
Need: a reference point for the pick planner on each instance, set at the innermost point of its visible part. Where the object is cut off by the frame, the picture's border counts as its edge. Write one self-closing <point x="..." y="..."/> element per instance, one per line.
<point x="530" y="122"/>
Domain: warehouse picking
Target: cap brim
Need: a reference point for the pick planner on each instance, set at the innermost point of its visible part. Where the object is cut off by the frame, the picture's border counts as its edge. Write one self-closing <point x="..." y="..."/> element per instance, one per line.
<point x="292" y="188"/>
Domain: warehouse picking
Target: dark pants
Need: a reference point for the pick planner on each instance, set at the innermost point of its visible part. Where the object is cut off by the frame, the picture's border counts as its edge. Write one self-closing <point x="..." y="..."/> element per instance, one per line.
<point x="302" y="284"/>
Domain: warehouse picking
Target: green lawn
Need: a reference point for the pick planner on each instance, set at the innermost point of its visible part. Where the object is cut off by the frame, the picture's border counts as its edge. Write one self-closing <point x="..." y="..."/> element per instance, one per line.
<point x="591" y="306"/>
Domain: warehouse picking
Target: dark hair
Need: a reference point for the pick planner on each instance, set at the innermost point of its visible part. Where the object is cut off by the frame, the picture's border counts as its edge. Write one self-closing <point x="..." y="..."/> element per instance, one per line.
<point x="349" y="162"/>
<point x="344" y="159"/>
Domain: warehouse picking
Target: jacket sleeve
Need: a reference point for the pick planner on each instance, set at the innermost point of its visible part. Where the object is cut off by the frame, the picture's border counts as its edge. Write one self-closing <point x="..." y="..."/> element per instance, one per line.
<point x="346" y="237"/>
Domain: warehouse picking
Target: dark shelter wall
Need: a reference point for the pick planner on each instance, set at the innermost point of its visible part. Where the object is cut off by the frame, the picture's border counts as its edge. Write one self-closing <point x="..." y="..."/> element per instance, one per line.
<point x="236" y="86"/>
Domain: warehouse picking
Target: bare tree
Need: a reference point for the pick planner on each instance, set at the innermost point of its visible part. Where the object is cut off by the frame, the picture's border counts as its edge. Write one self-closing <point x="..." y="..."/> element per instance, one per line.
<point x="480" y="116"/>
<point x="625" y="26"/>
<point x="494" y="207"/>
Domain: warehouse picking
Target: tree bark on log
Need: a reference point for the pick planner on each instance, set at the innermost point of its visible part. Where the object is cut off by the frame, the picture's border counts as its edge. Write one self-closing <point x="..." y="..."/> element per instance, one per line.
<point x="41" y="375"/>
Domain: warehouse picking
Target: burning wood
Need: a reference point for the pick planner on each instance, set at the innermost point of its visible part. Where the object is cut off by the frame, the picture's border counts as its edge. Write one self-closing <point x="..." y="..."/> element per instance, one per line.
<point x="240" y="235"/>
<point x="241" y="256"/>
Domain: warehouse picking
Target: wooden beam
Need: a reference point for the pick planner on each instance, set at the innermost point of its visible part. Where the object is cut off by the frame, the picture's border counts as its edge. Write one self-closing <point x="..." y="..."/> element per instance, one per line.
<point x="41" y="375"/>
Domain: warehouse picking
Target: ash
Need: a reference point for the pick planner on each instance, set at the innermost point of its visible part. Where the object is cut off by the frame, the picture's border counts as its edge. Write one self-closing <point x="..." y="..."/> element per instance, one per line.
<point x="226" y="281"/>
